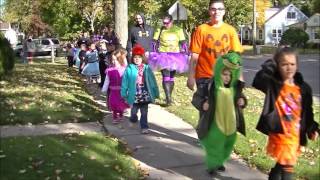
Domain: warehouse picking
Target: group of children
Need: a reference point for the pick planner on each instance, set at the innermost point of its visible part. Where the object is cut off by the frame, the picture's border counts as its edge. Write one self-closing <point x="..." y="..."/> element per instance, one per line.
<point x="132" y="85"/>
<point x="126" y="86"/>
<point x="287" y="115"/>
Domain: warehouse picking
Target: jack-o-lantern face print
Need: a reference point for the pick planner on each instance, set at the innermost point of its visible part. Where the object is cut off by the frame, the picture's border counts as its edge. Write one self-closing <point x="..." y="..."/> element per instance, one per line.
<point x="217" y="46"/>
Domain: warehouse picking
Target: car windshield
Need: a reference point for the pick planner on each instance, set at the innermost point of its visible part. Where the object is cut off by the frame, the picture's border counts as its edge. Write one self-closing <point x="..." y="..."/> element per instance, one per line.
<point x="55" y="41"/>
<point x="45" y="42"/>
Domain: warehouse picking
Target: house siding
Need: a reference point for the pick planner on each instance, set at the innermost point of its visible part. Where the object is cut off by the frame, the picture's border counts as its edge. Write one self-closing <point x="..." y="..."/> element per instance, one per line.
<point x="313" y="25"/>
<point x="279" y="22"/>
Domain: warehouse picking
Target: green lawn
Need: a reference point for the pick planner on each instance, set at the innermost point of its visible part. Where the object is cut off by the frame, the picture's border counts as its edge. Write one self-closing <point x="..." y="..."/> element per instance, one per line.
<point x="252" y="147"/>
<point x="51" y="93"/>
<point x="71" y="156"/>
<point x="45" y="93"/>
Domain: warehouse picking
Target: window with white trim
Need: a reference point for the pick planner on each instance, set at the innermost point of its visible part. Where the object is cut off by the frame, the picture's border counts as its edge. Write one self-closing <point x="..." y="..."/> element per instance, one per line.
<point x="315" y="33"/>
<point x="276" y="33"/>
<point x="291" y="14"/>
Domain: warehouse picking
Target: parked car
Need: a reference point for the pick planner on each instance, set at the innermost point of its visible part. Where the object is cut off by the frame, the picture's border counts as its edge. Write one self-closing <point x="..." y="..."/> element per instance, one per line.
<point x="44" y="46"/>
<point x="18" y="49"/>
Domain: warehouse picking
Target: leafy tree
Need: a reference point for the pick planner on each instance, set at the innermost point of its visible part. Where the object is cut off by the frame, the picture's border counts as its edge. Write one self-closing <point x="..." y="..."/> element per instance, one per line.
<point x="295" y="37"/>
<point x="91" y="10"/>
<point x="66" y="18"/>
<point x="315" y="6"/>
<point x="27" y="14"/>
<point x="261" y="6"/>
<point x="238" y="12"/>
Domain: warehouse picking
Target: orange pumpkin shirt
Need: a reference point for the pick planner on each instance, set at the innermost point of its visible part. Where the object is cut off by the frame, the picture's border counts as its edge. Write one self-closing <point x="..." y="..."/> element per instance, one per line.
<point x="285" y="148"/>
<point x="211" y="42"/>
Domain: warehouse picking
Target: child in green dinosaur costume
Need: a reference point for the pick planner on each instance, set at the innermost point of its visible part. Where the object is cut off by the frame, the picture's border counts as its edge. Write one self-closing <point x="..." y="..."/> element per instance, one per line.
<point x="217" y="128"/>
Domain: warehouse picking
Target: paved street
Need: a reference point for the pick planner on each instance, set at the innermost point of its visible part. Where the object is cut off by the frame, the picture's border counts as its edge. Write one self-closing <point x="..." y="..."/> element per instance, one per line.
<point x="308" y="65"/>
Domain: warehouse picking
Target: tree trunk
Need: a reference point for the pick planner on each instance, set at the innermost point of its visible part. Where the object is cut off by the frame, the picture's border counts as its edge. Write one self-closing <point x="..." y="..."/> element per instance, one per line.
<point x="92" y="25"/>
<point x="121" y="20"/>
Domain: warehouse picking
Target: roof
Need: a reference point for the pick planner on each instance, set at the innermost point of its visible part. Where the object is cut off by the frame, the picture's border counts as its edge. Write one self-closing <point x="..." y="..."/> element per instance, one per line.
<point x="280" y="10"/>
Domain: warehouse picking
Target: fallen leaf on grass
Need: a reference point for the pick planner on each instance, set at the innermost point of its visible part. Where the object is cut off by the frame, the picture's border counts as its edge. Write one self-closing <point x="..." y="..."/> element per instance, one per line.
<point x="92" y="158"/>
<point x="40" y="146"/>
<point x="37" y="164"/>
<point x="22" y="171"/>
<point x="58" y="171"/>
<point x="80" y="176"/>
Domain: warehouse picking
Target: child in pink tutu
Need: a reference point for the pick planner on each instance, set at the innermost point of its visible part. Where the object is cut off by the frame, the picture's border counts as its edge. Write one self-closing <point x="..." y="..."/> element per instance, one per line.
<point x="113" y="82"/>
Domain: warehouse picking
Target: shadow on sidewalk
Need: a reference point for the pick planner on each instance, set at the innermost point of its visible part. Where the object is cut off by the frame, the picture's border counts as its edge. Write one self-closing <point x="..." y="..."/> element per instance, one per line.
<point x="171" y="150"/>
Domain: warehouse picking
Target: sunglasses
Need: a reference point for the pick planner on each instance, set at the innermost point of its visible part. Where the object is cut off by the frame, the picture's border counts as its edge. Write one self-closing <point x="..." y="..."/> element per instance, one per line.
<point x="166" y="23"/>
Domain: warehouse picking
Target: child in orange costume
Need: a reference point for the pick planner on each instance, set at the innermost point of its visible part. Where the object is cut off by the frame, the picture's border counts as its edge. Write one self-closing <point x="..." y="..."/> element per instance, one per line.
<point x="287" y="115"/>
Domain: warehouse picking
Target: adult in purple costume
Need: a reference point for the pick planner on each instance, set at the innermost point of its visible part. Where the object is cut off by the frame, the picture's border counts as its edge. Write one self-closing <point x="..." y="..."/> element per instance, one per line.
<point x="170" y="54"/>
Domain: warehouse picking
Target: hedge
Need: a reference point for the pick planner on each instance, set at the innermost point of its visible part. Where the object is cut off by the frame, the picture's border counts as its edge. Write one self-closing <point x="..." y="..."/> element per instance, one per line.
<point x="6" y="56"/>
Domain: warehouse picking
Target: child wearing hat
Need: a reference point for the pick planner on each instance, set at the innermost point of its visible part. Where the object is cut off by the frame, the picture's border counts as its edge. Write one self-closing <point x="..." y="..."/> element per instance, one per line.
<point x="139" y="87"/>
<point x="222" y="117"/>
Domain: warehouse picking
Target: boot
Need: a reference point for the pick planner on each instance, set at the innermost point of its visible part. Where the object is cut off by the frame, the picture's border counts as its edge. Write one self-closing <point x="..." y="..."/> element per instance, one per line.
<point x="166" y="88"/>
<point x="287" y="175"/>
<point x="275" y="174"/>
<point x="171" y="88"/>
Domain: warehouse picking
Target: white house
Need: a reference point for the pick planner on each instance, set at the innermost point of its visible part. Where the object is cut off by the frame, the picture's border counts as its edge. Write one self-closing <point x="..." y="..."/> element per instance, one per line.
<point x="277" y="21"/>
<point x="313" y="28"/>
<point x="13" y="36"/>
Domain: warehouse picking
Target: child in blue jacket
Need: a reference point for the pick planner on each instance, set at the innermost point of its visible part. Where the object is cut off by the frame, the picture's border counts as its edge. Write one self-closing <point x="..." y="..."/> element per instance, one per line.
<point x="139" y="87"/>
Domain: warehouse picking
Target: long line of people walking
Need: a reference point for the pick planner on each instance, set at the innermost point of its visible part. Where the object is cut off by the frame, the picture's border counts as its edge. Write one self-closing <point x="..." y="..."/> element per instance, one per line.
<point x="215" y="66"/>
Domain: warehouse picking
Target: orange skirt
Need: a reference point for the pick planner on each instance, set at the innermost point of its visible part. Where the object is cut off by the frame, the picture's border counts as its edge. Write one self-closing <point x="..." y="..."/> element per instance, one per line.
<point x="283" y="153"/>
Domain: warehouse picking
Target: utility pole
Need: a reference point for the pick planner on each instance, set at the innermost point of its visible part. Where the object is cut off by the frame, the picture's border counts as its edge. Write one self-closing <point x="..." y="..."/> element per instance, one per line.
<point x="254" y="31"/>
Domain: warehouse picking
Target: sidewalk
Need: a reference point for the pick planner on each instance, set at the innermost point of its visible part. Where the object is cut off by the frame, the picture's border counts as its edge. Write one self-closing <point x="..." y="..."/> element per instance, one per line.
<point x="36" y="130"/>
<point x="171" y="150"/>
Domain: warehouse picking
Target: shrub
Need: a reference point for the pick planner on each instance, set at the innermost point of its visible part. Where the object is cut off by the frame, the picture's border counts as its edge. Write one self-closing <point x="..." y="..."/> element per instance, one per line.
<point x="294" y="37"/>
<point x="6" y="56"/>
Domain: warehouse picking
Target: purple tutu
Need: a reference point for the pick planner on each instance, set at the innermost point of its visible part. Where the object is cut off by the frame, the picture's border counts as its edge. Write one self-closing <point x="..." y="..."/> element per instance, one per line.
<point x="168" y="60"/>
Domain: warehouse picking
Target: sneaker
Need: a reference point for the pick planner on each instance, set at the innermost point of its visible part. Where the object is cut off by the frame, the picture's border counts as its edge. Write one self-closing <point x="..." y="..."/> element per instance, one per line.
<point x="221" y="168"/>
<point x="212" y="172"/>
<point x="145" y="131"/>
